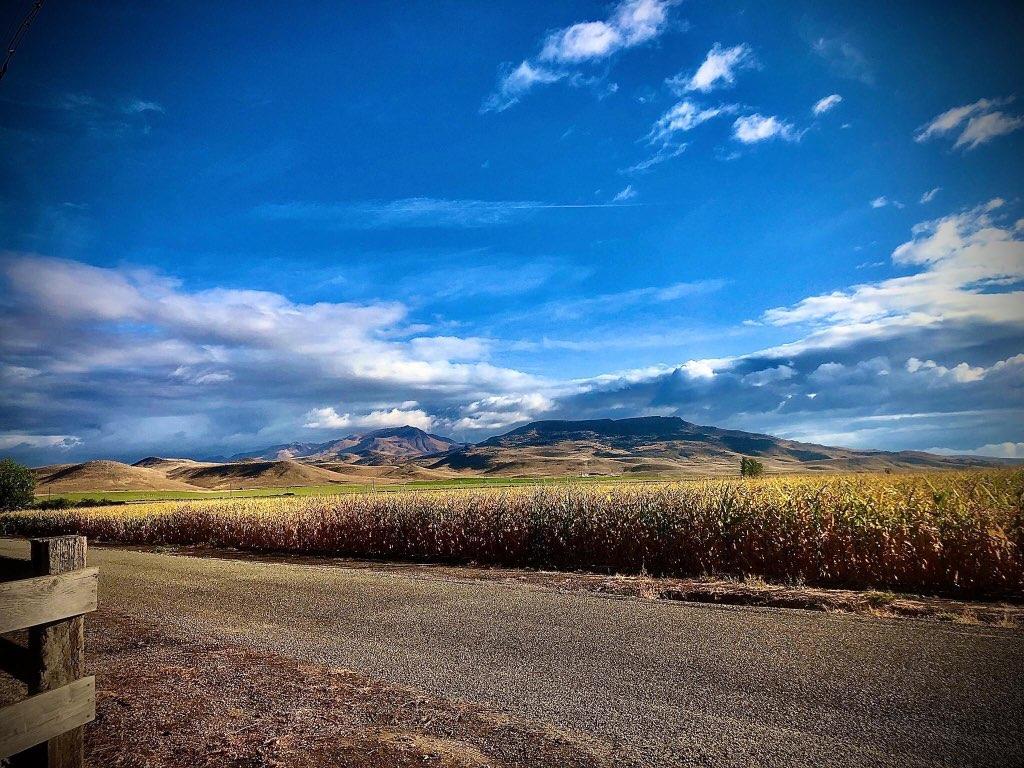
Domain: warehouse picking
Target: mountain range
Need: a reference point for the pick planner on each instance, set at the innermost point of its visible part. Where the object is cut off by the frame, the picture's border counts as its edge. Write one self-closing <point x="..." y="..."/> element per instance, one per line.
<point x="638" y="447"/>
<point x="381" y="446"/>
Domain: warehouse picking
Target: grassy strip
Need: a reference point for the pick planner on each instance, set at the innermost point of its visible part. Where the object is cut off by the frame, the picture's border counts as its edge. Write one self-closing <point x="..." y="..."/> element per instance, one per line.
<point x="958" y="534"/>
<point x="337" y="489"/>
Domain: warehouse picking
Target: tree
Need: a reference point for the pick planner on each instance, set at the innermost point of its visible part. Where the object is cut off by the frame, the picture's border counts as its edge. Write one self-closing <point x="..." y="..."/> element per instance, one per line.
<point x="17" y="486"/>
<point x="751" y="467"/>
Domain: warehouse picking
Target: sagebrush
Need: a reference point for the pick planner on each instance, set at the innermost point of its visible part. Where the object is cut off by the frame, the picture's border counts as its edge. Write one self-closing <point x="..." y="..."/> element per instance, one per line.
<point x="945" y="533"/>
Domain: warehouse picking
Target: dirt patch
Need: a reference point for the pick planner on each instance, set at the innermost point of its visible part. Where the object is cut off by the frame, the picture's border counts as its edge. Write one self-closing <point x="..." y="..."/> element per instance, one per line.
<point x="165" y="701"/>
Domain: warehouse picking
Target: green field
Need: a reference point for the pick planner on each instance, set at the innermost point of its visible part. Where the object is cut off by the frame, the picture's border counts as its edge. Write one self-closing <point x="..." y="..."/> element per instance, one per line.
<point x="338" y="489"/>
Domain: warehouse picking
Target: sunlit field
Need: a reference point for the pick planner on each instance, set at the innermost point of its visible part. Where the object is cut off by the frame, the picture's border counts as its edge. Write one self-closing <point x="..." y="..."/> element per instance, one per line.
<point x="336" y="489"/>
<point x="942" y="533"/>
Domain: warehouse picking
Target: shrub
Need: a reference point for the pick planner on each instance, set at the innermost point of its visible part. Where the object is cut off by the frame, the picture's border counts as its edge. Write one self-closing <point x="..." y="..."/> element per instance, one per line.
<point x="17" y="486"/>
<point x="751" y="467"/>
<point x="58" y="503"/>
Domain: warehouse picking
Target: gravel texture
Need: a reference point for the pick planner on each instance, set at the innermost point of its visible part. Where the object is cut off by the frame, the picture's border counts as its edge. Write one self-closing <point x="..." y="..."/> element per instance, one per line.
<point x="656" y="682"/>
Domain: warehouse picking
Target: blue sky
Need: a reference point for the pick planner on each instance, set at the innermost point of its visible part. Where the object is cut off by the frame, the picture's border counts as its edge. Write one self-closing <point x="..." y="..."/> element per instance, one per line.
<point x="223" y="227"/>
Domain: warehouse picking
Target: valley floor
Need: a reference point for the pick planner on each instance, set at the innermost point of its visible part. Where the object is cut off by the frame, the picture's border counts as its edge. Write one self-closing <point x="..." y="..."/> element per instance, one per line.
<point x="207" y="661"/>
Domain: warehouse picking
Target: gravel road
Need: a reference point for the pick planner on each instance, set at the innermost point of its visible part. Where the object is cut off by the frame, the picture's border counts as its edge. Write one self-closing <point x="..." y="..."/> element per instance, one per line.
<point x="675" y="683"/>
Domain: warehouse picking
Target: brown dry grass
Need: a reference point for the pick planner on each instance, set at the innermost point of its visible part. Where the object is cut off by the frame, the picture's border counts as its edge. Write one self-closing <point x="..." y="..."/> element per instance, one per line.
<point x="958" y="534"/>
<point x="163" y="701"/>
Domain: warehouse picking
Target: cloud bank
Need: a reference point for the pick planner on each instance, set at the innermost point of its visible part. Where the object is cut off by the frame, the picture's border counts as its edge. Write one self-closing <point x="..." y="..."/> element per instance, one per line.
<point x="123" y="362"/>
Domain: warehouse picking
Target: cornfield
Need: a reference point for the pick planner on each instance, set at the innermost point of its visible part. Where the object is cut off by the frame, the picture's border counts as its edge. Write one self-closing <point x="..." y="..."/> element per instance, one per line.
<point x="942" y="533"/>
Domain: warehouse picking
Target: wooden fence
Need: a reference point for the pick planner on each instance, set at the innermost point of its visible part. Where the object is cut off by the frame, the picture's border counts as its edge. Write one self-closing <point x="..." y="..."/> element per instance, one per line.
<point x="45" y="729"/>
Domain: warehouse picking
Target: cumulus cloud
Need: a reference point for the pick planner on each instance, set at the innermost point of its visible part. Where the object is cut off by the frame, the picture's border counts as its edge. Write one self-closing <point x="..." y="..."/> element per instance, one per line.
<point x="976" y="123"/>
<point x="962" y="373"/>
<point x="751" y="129"/>
<point x="631" y="23"/>
<point x="769" y="375"/>
<point x="238" y="367"/>
<point x="931" y="358"/>
<point x="716" y="71"/>
<point x="329" y="418"/>
<point x="824" y="105"/>
<point x="928" y="196"/>
<point x="970" y="269"/>
<point x="1007" y="450"/>
<point x="502" y="411"/>
<point x="9" y="440"/>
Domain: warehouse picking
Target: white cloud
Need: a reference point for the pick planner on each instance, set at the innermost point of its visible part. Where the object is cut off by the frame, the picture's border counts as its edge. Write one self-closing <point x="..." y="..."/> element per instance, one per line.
<point x="977" y="123"/>
<point x="824" y="105"/>
<point x="882" y="201"/>
<point x="329" y="418"/>
<point x="626" y="194"/>
<point x="139" y="321"/>
<point x="700" y="369"/>
<point x="962" y="373"/>
<point x="769" y="376"/>
<point x="193" y="376"/>
<point x="631" y="23"/>
<point x="717" y="70"/>
<point x="928" y="196"/>
<point x="515" y="83"/>
<point x="984" y="128"/>
<point x="1007" y="450"/>
<point x="683" y="116"/>
<point x="751" y="129"/>
<point x="970" y="270"/>
<point x="10" y="440"/>
<point x="502" y="411"/>
<point x="679" y="119"/>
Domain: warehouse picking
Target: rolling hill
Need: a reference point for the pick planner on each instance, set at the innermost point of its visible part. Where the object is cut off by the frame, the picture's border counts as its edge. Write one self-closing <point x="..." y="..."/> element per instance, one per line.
<point x="640" y="447"/>
<point x="666" y="445"/>
<point x="104" y="476"/>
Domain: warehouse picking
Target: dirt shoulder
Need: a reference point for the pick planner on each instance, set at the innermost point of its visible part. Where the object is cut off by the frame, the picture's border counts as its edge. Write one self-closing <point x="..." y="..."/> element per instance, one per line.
<point x="164" y="700"/>
<point x="706" y="590"/>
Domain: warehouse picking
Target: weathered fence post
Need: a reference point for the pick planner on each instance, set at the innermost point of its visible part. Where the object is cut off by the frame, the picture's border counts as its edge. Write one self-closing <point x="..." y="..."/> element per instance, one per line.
<point x="59" y="651"/>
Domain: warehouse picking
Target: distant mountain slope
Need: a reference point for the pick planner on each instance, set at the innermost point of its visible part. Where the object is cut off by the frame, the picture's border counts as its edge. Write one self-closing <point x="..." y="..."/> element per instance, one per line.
<point x="660" y="444"/>
<point x="104" y="476"/>
<point x="381" y="446"/>
<point x="277" y="452"/>
<point x="254" y="474"/>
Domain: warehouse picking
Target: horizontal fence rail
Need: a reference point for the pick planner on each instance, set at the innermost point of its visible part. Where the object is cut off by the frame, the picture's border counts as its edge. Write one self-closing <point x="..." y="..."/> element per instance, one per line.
<point x="45" y="599"/>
